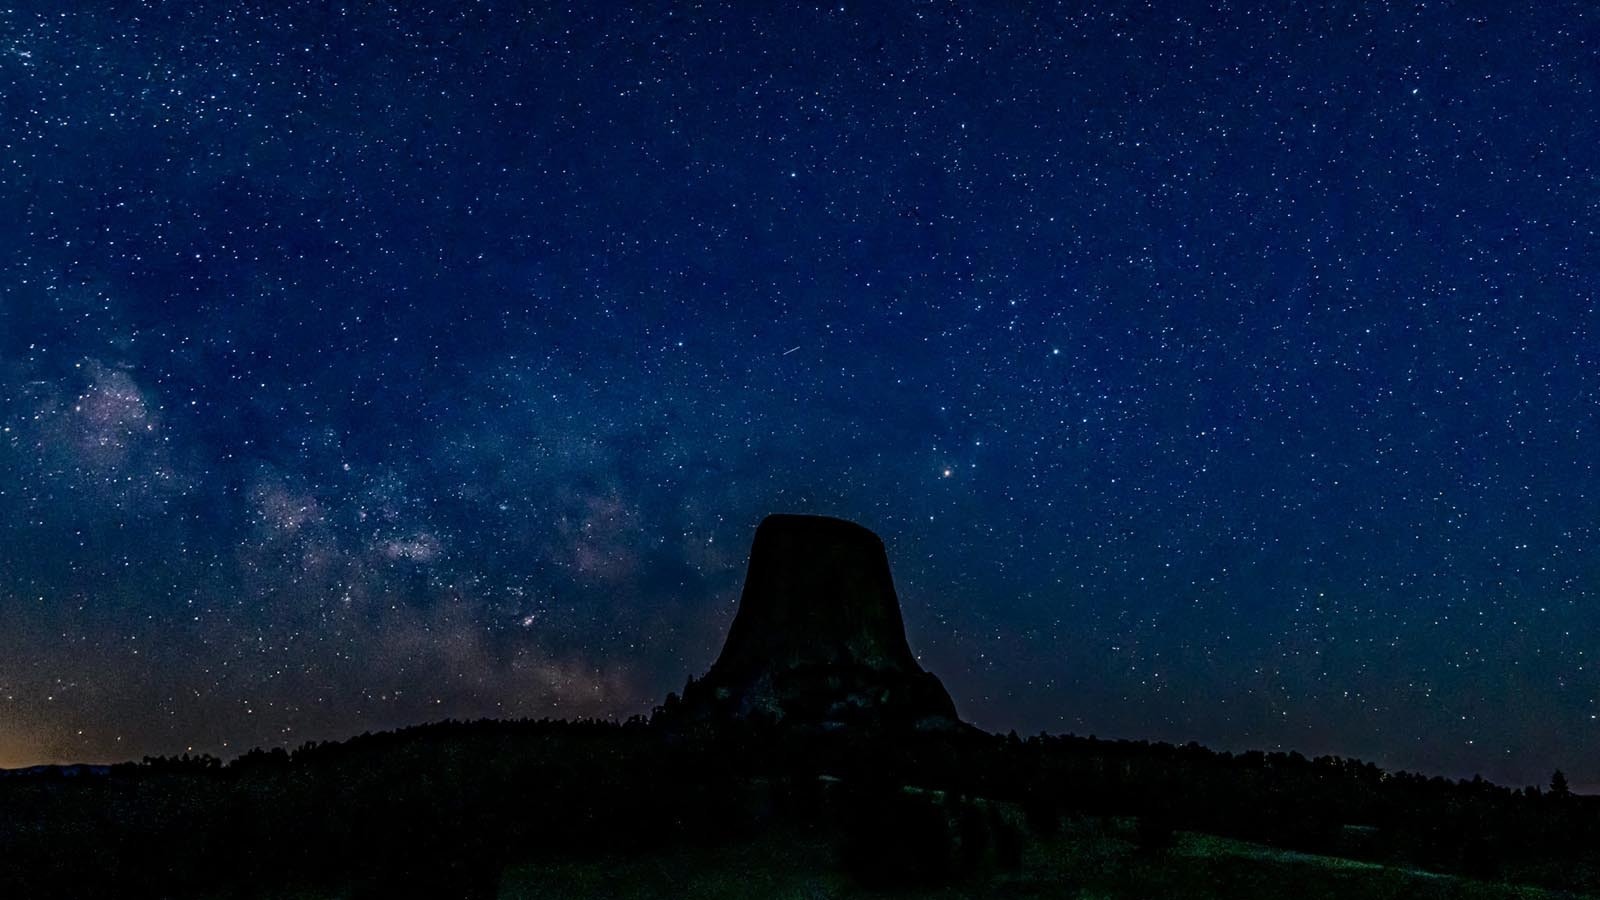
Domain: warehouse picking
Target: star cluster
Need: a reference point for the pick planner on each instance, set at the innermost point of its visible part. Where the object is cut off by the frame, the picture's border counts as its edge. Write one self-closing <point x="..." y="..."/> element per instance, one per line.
<point x="1222" y="372"/>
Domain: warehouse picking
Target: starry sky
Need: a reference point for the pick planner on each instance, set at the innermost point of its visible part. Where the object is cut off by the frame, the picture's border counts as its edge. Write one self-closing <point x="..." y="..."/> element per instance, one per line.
<point x="1226" y="372"/>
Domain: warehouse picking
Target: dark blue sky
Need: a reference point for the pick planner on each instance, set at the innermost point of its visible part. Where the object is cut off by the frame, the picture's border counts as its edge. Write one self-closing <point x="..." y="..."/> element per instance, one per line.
<point x="1224" y="373"/>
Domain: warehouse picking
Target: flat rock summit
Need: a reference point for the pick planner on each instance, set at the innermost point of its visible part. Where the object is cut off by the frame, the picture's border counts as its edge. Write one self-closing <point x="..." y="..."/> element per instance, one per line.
<point x="818" y="640"/>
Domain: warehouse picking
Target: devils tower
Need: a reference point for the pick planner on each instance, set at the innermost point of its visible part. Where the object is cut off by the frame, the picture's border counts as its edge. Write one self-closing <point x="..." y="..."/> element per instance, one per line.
<point x="818" y="640"/>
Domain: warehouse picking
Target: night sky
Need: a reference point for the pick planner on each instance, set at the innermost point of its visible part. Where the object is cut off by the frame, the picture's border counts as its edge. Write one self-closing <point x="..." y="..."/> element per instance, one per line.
<point x="1223" y="373"/>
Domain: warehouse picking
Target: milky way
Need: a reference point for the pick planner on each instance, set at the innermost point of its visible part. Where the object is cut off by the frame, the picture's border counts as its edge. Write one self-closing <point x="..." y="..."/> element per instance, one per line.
<point x="1227" y="374"/>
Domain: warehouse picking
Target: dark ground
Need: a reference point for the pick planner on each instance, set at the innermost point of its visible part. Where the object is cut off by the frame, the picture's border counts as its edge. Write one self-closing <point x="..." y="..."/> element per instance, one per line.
<point x="536" y="809"/>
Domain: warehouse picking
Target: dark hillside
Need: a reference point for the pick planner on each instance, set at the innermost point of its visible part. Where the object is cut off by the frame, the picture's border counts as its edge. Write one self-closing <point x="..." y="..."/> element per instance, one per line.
<point x="456" y="803"/>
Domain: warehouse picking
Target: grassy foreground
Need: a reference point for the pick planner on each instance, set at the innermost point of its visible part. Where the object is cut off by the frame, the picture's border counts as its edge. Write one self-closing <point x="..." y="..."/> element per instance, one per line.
<point x="1089" y="860"/>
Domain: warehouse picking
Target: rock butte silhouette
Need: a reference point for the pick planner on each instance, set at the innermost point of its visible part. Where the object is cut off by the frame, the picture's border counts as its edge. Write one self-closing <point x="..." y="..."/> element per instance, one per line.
<point x="818" y="640"/>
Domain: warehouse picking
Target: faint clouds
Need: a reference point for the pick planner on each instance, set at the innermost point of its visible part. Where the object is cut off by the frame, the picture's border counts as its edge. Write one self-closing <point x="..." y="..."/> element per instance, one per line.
<point x="600" y="537"/>
<point x="445" y="652"/>
<point x="110" y="417"/>
<point x="419" y="548"/>
<point x="100" y="430"/>
<point x="283" y="509"/>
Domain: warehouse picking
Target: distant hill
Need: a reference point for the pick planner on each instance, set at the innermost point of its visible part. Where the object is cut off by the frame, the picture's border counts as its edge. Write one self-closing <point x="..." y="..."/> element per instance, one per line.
<point x="67" y="771"/>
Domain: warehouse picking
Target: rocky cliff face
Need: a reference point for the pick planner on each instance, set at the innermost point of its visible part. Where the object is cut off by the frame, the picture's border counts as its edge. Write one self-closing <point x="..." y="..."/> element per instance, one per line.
<point x="818" y="639"/>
